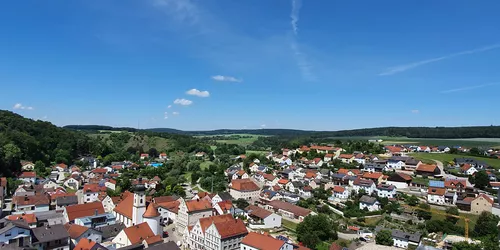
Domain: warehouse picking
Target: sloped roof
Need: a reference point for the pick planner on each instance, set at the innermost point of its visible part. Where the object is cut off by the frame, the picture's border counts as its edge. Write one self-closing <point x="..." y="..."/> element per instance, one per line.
<point x="488" y="199"/>
<point x="338" y="189"/>
<point x="198" y="205"/>
<point x="258" y="211"/>
<point x="39" y="199"/>
<point x="436" y="191"/>
<point x="49" y="233"/>
<point x="299" y="211"/>
<point x="138" y="233"/>
<point x="244" y="185"/>
<point x="75" y="230"/>
<point x="151" y="212"/>
<point x="262" y="242"/>
<point x="231" y="227"/>
<point x="28" y="218"/>
<point x="84" y="210"/>
<point x="125" y="206"/>
<point x="27" y="175"/>
<point x="430" y="168"/>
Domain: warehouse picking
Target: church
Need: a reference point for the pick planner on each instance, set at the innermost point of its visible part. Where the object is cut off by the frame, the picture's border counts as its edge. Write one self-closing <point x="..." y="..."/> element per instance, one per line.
<point x="132" y="210"/>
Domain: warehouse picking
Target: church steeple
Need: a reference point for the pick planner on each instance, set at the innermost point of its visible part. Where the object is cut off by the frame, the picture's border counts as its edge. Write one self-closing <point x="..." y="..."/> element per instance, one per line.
<point x="139" y="206"/>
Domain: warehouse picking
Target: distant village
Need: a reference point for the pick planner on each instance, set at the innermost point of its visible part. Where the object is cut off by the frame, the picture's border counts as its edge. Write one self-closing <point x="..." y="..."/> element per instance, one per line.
<point x="263" y="206"/>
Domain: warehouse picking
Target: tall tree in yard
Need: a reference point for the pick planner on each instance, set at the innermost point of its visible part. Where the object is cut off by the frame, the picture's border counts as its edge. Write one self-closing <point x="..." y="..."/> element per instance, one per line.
<point x="481" y="180"/>
<point x="315" y="229"/>
<point x="384" y="237"/>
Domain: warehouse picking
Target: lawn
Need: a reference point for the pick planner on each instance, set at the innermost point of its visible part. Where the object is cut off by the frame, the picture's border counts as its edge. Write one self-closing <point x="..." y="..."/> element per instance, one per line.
<point x="449" y="157"/>
<point x="289" y="224"/>
<point x="472" y="142"/>
<point x="248" y="152"/>
<point x="246" y="139"/>
<point x="461" y="222"/>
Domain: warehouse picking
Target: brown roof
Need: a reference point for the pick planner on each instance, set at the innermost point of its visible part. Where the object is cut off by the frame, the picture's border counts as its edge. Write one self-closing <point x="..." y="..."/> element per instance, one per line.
<point x="154" y="239"/>
<point x="29" y="218"/>
<point x="99" y="171"/>
<point x="375" y="175"/>
<point x="436" y="191"/>
<point x="430" y="168"/>
<point x="172" y="206"/>
<point x="338" y="189"/>
<point x="404" y="176"/>
<point x="244" y="185"/>
<point x="262" y="241"/>
<point x="283" y="181"/>
<point x="241" y="172"/>
<point x="27" y="175"/>
<point x="125" y="206"/>
<point x="39" y="199"/>
<point x="346" y="156"/>
<point x="310" y="175"/>
<point x="452" y="183"/>
<point x="198" y="205"/>
<point x="83" y="210"/>
<point x="85" y="244"/>
<point x="226" y="225"/>
<point x="151" y="212"/>
<point x="161" y="199"/>
<point x="138" y="233"/>
<point x="93" y="188"/>
<point x="298" y="211"/>
<point x="225" y="205"/>
<point x="269" y="177"/>
<point x="466" y="167"/>
<point x="393" y="149"/>
<point x="488" y="199"/>
<point x="324" y="148"/>
<point x="258" y="211"/>
<point x="75" y="230"/>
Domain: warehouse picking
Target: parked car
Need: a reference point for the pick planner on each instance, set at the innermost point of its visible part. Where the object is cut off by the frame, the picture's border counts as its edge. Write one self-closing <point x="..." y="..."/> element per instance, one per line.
<point x="165" y="234"/>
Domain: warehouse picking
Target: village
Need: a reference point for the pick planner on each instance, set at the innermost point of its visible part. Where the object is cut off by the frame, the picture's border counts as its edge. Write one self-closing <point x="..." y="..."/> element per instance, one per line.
<point x="373" y="200"/>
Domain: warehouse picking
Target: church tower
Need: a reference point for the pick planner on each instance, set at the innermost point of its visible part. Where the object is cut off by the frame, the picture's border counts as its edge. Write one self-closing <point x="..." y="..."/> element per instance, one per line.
<point x="139" y="206"/>
<point x="152" y="217"/>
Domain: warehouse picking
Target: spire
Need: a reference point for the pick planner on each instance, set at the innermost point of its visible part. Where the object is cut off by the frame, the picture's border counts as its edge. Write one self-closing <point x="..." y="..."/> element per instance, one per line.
<point x="151" y="212"/>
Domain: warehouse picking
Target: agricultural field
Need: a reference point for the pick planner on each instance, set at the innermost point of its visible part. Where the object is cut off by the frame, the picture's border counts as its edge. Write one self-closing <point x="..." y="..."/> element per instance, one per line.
<point x="472" y="142"/>
<point x="449" y="157"/>
<point x="238" y="139"/>
<point x="248" y="152"/>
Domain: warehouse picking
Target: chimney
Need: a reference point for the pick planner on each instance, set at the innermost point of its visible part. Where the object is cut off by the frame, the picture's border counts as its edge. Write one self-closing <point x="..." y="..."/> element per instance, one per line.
<point x="96" y="212"/>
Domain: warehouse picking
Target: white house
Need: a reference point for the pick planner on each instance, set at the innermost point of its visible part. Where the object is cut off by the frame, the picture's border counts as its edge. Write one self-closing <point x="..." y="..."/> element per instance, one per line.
<point x="50" y="184"/>
<point x="340" y="193"/>
<point x="136" y="234"/>
<point x="91" y="192"/>
<point x="27" y="177"/>
<point x="370" y="203"/>
<point x="387" y="191"/>
<point x="27" y="166"/>
<point x="72" y="183"/>
<point x="361" y="184"/>
<point x="425" y="149"/>
<point x="30" y="204"/>
<point x="110" y="184"/>
<point x="163" y="156"/>
<point x="436" y="195"/>
<point x="244" y="189"/>
<point x="190" y="212"/>
<point x="468" y="169"/>
<point x="259" y="218"/>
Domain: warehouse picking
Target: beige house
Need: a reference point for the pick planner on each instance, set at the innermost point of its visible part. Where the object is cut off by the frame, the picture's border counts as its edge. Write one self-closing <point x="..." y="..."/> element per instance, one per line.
<point x="190" y="212"/>
<point x="244" y="189"/>
<point x="480" y="204"/>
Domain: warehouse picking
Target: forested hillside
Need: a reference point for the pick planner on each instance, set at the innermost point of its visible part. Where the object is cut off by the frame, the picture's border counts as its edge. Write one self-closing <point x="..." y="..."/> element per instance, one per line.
<point x="26" y="139"/>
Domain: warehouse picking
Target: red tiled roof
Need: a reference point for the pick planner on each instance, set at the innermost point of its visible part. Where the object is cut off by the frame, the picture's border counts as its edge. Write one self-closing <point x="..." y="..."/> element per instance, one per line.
<point x="225" y="205"/>
<point x="84" y="210"/>
<point x="62" y="165"/>
<point x="198" y="205"/>
<point x="39" y="199"/>
<point x="241" y="172"/>
<point x="283" y="181"/>
<point x="329" y="155"/>
<point x="404" y="176"/>
<point x="85" y="244"/>
<point x="426" y="168"/>
<point x="161" y="199"/>
<point x="29" y="218"/>
<point x="172" y="206"/>
<point x="298" y="211"/>
<point x="310" y="175"/>
<point x="375" y="175"/>
<point x="343" y="171"/>
<point x="153" y="239"/>
<point x="262" y="241"/>
<point x="276" y="188"/>
<point x="118" y="167"/>
<point x="436" y="191"/>
<point x="27" y="175"/>
<point x="226" y="225"/>
<point x="465" y="167"/>
<point x="93" y="188"/>
<point x="138" y="233"/>
<point x="307" y="188"/>
<point x="269" y="177"/>
<point x="125" y="206"/>
<point x="112" y="181"/>
<point x="151" y="212"/>
<point x="488" y="199"/>
<point x="324" y="148"/>
<point x="393" y="149"/>
<point x="316" y="160"/>
<point x="244" y="185"/>
<point x="346" y="156"/>
<point x="335" y="246"/>
<point x="99" y="171"/>
<point x="75" y="230"/>
<point x="338" y="189"/>
<point x="57" y="195"/>
<point x="452" y="183"/>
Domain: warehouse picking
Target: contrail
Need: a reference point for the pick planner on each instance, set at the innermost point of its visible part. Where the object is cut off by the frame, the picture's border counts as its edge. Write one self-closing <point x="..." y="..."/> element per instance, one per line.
<point x="470" y="87"/>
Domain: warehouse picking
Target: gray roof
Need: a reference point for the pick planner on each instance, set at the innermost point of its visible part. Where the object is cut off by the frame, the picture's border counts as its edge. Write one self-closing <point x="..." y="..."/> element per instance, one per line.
<point x="111" y="230"/>
<point x="52" y="214"/>
<point x="49" y="233"/>
<point x="297" y="184"/>
<point x="225" y="196"/>
<point x="170" y="245"/>
<point x="413" y="237"/>
<point x="13" y="224"/>
<point x="367" y="199"/>
<point x="67" y="200"/>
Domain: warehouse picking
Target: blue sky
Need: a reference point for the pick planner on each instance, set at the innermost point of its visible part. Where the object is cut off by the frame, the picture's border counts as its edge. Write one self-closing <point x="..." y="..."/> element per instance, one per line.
<point x="321" y="65"/>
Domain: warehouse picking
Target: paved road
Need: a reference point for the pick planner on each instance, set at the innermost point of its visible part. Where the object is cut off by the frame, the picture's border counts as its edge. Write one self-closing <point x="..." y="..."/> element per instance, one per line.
<point x="345" y="236"/>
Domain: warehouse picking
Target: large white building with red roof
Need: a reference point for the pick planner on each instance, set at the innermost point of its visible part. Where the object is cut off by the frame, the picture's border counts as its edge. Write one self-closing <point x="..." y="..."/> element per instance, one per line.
<point x="190" y="211"/>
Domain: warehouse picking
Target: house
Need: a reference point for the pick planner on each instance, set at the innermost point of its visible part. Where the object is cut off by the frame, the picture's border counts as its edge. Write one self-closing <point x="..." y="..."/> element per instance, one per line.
<point x="288" y="210"/>
<point x="290" y="197"/>
<point x="269" y="195"/>
<point x="27" y="177"/>
<point x="136" y="234"/>
<point x="425" y="149"/>
<point x="98" y="173"/>
<point x="455" y="185"/>
<point x="240" y="175"/>
<point x="30" y="204"/>
<point x="223" y="207"/>
<point x="49" y="184"/>
<point x="340" y="193"/>
<point x="387" y="191"/>
<point x="163" y="156"/>
<point x="50" y="237"/>
<point x="221" y="196"/>
<point x="328" y="157"/>
<point x="468" y="169"/>
<point x="91" y="192"/>
<point x="361" y="184"/>
<point x="322" y="149"/>
<point x="370" y="203"/>
<point x="200" y="154"/>
<point x="283" y="183"/>
<point x="295" y="186"/>
<point x="305" y="192"/>
<point x="168" y="211"/>
<point x="244" y="189"/>
<point x="395" y="150"/>
<point x="360" y="158"/>
<point x="73" y="212"/>
<point x="254" y="167"/>
<point x="96" y="220"/>
<point x="14" y="233"/>
<point x="375" y="177"/>
<point x="402" y="239"/>
<point x="396" y="162"/>
<point x="436" y="195"/>
<point x="427" y="170"/>
<point x="270" y="179"/>
<point x="481" y="204"/>
<point x="444" y="149"/>
<point x="260" y="218"/>
<point x="110" y="184"/>
<point x="73" y="182"/>
<point x="257" y="241"/>
<point x="216" y="232"/>
<point x="144" y="156"/>
<point x="65" y="200"/>
<point x="495" y="185"/>
<point x="29" y="219"/>
<point x="317" y="162"/>
<point x="399" y="180"/>
<point x="88" y="244"/>
<point x="77" y="233"/>
<point x="27" y="166"/>
<point x="190" y="212"/>
<point x="346" y="158"/>
<point x="350" y="172"/>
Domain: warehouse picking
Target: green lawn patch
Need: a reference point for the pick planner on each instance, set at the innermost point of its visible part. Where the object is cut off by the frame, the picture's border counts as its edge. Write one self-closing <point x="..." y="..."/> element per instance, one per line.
<point x="289" y="224"/>
<point x="449" y="157"/>
<point x="257" y="152"/>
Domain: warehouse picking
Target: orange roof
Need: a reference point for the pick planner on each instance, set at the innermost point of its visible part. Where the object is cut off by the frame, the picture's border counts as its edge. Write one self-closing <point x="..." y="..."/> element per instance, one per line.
<point x="310" y="175"/>
<point x="225" y="205"/>
<point x="244" y="185"/>
<point x="488" y="199"/>
<point x="83" y="210"/>
<point x="29" y="218"/>
<point x="118" y="167"/>
<point x="85" y="244"/>
<point x="269" y="177"/>
<point x="93" y="188"/>
<point x="452" y="183"/>
<point x="283" y="181"/>
<point x="343" y="171"/>
<point x="375" y="175"/>
<point x="27" y="175"/>
<point x="99" y="171"/>
<point x="172" y="206"/>
<point x="226" y="225"/>
<point x="198" y="205"/>
<point x="338" y="189"/>
<point x="138" y="233"/>
<point x="276" y="188"/>
<point x="161" y="199"/>
<point x="335" y="246"/>
<point x="125" y="206"/>
<point x="436" y="191"/>
<point x="324" y="148"/>
<point x="262" y="242"/>
<point x="329" y="155"/>
<point x="346" y="156"/>
<point x="241" y="172"/>
<point x="393" y="149"/>
<point x="151" y="212"/>
<point x="465" y="167"/>
<point x="61" y="165"/>
<point x="154" y="239"/>
<point x="427" y="168"/>
<point x="75" y="230"/>
<point x="494" y="184"/>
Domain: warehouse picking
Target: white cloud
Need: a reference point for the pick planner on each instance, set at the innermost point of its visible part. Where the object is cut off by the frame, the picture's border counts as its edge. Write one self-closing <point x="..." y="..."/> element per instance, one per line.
<point x="183" y="102"/>
<point x="405" y="67"/>
<point x="20" y="106"/>
<point x="296" y="5"/>
<point x="415" y="111"/>
<point x="169" y="106"/>
<point x="175" y="113"/>
<point x="165" y="115"/>
<point x="303" y="63"/>
<point x="470" y="87"/>
<point x="263" y="125"/>
<point x="198" y="93"/>
<point x="221" y="78"/>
